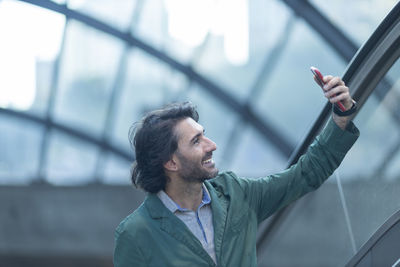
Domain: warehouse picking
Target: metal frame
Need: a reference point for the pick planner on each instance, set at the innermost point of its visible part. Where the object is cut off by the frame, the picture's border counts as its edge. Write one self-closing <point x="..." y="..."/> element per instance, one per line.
<point x="328" y="31"/>
<point x="262" y="78"/>
<point x="301" y="8"/>
<point x="70" y="131"/>
<point x="49" y="111"/>
<point x="116" y="91"/>
<point x="245" y="111"/>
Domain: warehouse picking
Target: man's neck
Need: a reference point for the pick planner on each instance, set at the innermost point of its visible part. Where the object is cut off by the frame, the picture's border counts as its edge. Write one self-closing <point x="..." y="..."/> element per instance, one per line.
<point x="186" y="195"/>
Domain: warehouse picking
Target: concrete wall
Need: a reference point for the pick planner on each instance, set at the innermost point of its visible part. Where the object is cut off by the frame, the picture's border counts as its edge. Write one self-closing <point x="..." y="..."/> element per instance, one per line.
<point x="70" y="225"/>
<point x="43" y="226"/>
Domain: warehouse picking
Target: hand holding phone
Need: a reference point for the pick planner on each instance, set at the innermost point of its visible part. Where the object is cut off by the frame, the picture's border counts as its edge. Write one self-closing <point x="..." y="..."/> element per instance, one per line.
<point x="320" y="80"/>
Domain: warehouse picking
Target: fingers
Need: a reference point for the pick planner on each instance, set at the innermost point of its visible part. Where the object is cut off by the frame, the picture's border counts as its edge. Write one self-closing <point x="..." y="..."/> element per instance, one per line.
<point x="336" y="90"/>
<point x="338" y="93"/>
<point x="331" y="82"/>
<point x="327" y="78"/>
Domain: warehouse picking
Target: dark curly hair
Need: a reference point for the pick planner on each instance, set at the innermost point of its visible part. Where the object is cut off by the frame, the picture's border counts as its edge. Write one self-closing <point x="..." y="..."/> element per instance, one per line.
<point x="154" y="141"/>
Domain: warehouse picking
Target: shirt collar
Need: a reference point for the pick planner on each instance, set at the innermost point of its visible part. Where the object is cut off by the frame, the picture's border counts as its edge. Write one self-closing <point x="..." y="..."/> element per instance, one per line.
<point x="173" y="206"/>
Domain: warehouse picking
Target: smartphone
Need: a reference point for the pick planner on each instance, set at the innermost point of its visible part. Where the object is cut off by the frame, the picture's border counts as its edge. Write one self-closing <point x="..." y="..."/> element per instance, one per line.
<point x="320" y="80"/>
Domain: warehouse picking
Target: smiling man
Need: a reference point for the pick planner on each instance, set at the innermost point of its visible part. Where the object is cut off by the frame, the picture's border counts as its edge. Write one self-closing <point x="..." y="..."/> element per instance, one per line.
<point x="194" y="216"/>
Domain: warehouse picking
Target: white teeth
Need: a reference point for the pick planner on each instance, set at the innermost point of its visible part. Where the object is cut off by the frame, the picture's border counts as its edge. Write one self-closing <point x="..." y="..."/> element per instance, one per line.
<point x="207" y="161"/>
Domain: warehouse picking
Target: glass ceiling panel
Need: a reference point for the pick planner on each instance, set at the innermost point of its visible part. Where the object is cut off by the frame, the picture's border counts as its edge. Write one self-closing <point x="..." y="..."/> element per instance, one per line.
<point x="59" y="1"/>
<point x="151" y="26"/>
<point x="173" y="27"/>
<point x="291" y="88"/>
<point x="69" y="160"/>
<point x="147" y="84"/>
<point x="254" y="156"/>
<point x="263" y="32"/>
<point x="20" y="142"/>
<point x="116" y="170"/>
<point x="373" y="118"/>
<point x="392" y="170"/>
<point x="359" y="19"/>
<point x="87" y="74"/>
<point x="249" y="47"/>
<point x="116" y="13"/>
<point x="31" y="38"/>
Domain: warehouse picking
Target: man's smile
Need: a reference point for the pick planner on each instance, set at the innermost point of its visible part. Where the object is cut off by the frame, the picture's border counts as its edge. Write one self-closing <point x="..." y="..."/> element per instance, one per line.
<point x="208" y="162"/>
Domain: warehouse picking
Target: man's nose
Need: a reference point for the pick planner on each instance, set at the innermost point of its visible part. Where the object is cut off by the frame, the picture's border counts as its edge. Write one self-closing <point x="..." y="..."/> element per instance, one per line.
<point x="211" y="146"/>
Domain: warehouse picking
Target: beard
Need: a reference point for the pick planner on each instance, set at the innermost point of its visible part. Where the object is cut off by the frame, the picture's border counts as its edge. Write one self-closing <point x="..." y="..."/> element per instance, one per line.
<point x="195" y="172"/>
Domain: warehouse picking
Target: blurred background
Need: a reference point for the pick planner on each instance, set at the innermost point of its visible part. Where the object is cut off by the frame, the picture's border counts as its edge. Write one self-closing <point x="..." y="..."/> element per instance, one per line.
<point x="75" y="75"/>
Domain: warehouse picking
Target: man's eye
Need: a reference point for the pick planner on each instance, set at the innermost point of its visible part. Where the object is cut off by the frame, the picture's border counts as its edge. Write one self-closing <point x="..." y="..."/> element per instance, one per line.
<point x="196" y="141"/>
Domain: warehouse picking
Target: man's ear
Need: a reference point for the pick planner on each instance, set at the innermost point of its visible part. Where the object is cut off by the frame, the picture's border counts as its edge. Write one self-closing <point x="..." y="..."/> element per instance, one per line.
<point x="171" y="165"/>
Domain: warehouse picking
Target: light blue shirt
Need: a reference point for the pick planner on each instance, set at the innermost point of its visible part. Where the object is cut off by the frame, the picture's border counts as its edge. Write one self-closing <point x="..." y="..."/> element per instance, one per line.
<point x="199" y="222"/>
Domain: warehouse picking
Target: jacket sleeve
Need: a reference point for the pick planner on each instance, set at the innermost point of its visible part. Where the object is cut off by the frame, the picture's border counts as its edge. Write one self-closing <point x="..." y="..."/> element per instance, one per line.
<point x="126" y="252"/>
<point x="269" y="194"/>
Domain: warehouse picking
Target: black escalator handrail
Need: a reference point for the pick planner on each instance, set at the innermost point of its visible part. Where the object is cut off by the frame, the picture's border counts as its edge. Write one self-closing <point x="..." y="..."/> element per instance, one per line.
<point x="362" y="75"/>
<point x="381" y="232"/>
<point x="377" y="35"/>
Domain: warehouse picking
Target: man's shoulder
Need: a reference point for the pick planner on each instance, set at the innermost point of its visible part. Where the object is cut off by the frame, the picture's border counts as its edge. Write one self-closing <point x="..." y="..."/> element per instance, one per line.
<point x="223" y="178"/>
<point x="134" y="222"/>
<point x="225" y="182"/>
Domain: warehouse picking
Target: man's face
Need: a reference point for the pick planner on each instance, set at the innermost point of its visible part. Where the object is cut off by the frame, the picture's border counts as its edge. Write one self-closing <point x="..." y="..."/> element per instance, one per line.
<point x="194" y="153"/>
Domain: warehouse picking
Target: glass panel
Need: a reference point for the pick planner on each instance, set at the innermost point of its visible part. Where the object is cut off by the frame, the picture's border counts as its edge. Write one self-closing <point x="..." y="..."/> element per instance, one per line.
<point x="152" y="24"/>
<point x="154" y="27"/>
<point x="30" y="42"/>
<point x="392" y="168"/>
<point x="371" y="122"/>
<point x="370" y="173"/>
<point x="69" y="161"/>
<point x="310" y="235"/>
<point x="255" y="156"/>
<point x="116" y="13"/>
<point x="20" y="142"/>
<point x="117" y="170"/>
<point x="291" y="88"/>
<point x="61" y="2"/>
<point x="359" y="19"/>
<point x="266" y="27"/>
<point x="87" y="74"/>
<point x="147" y="84"/>
<point x="223" y="40"/>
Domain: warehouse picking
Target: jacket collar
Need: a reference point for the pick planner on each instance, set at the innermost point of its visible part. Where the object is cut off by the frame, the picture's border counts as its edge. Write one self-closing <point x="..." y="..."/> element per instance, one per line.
<point x="219" y="207"/>
<point x="173" y="226"/>
<point x="171" y="205"/>
<point x="178" y="229"/>
<point x="155" y="207"/>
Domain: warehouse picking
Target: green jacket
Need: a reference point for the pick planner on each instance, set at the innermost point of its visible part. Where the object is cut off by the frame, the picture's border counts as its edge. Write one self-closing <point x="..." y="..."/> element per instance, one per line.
<point x="153" y="236"/>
